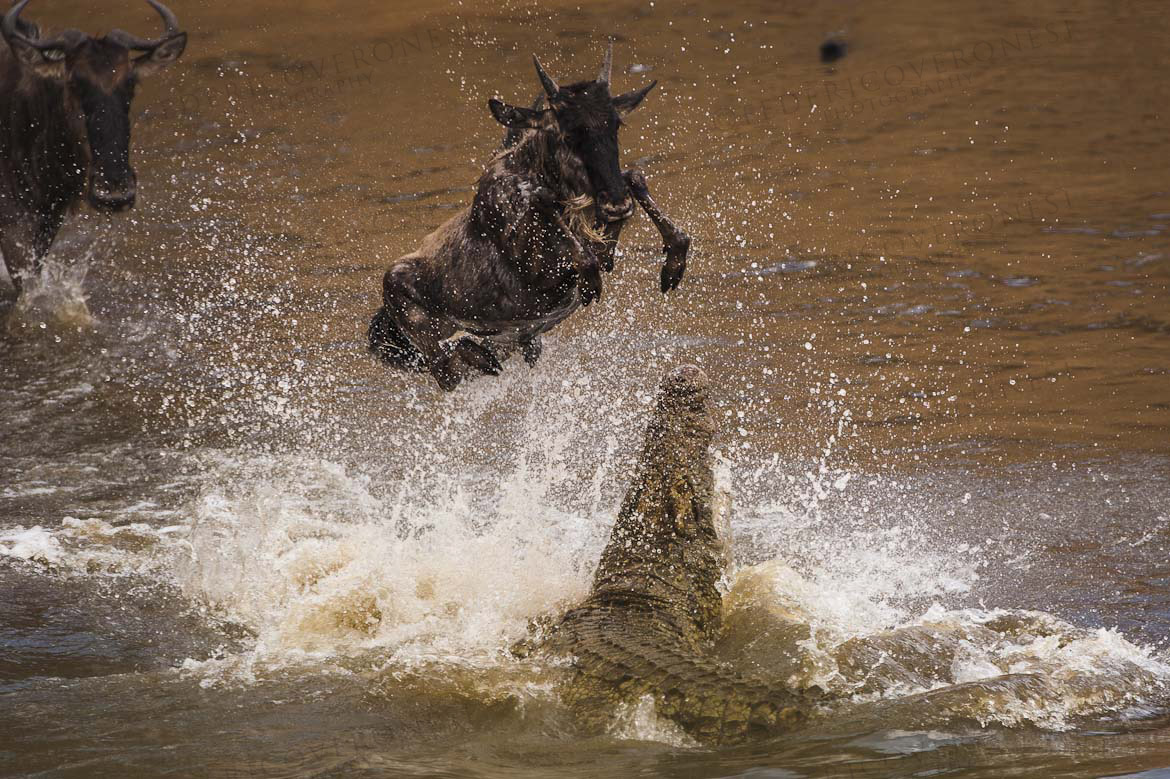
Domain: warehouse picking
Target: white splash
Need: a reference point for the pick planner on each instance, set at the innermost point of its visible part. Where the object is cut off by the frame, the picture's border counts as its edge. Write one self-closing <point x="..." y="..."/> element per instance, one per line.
<point x="305" y="554"/>
<point x="56" y="298"/>
<point x="639" y="721"/>
<point x="33" y="544"/>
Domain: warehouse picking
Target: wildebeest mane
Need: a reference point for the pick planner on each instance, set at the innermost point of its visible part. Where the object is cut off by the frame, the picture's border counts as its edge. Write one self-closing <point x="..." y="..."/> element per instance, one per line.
<point x="543" y="154"/>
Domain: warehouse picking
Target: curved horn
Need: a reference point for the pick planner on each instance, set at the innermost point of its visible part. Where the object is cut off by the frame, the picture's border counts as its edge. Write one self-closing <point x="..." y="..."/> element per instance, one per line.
<point x="168" y="17"/>
<point x="606" y="65"/>
<point x="550" y="86"/>
<point x="9" y="23"/>
<point x="8" y="27"/>
<point x="170" y="22"/>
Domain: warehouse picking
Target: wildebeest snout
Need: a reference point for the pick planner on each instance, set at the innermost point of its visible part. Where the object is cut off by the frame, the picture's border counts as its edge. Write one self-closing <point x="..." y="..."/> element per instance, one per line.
<point x="113" y="193"/>
<point x="616" y="210"/>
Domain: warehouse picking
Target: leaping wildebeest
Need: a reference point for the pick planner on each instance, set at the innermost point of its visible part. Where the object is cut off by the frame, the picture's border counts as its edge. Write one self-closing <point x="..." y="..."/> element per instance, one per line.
<point x="65" y="126"/>
<point x="531" y="247"/>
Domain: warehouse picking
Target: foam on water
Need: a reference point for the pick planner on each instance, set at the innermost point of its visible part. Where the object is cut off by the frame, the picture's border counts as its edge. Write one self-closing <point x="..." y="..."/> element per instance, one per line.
<point x="851" y="568"/>
<point x="993" y="665"/>
<point x="639" y="721"/>
<point x="34" y="544"/>
<point x="56" y="299"/>
<point x="304" y="553"/>
<point x="429" y="559"/>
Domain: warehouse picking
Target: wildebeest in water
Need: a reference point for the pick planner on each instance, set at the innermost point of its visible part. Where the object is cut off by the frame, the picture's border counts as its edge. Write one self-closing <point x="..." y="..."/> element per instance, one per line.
<point x="65" y="126"/>
<point x="531" y="247"/>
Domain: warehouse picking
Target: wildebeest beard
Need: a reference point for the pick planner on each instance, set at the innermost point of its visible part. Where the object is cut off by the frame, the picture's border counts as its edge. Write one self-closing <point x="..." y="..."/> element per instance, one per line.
<point x="544" y="151"/>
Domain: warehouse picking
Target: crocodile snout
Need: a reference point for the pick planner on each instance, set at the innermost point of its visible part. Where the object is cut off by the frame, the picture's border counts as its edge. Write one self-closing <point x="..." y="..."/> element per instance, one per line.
<point x="686" y="378"/>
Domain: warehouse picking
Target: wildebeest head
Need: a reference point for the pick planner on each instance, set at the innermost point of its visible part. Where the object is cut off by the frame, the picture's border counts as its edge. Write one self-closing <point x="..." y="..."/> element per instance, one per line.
<point x="587" y="118"/>
<point x="98" y="77"/>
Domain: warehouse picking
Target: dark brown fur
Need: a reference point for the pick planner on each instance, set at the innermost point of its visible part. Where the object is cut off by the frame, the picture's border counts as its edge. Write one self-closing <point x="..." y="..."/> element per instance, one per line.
<point x="530" y="248"/>
<point x="42" y="165"/>
<point x="65" y="129"/>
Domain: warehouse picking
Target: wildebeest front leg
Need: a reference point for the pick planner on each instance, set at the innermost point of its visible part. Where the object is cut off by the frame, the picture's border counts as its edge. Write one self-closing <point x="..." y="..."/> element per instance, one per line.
<point x="677" y="243"/>
<point x="584" y="261"/>
<point x="612" y="231"/>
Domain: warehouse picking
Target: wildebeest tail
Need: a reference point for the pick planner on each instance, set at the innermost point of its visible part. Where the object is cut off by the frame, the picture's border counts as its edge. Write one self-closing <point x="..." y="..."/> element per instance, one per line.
<point x="392" y="347"/>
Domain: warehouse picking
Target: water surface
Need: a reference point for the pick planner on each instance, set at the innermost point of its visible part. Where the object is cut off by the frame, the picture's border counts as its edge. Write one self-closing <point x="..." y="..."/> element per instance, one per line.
<point x="929" y="278"/>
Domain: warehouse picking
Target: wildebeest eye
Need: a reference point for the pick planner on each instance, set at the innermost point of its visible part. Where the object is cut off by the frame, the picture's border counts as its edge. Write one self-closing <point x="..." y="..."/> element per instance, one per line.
<point x="53" y="55"/>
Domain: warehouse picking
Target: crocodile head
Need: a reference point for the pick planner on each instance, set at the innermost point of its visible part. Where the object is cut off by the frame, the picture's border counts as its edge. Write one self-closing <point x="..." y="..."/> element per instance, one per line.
<point x="667" y="553"/>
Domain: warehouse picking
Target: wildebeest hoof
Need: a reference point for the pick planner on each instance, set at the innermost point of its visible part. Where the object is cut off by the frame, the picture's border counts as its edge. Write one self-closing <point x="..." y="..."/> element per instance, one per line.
<point x="676" y="264"/>
<point x="589" y="283"/>
<point x="636" y="181"/>
<point x="607" y="261"/>
<point x="478" y="356"/>
<point x="531" y="351"/>
<point x="833" y="49"/>
<point x="388" y="343"/>
<point x="447" y="378"/>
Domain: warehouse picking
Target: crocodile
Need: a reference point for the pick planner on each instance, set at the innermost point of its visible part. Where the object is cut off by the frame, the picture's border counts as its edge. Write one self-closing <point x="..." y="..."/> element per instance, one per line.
<point x="738" y="667"/>
<point x="650" y="623"/>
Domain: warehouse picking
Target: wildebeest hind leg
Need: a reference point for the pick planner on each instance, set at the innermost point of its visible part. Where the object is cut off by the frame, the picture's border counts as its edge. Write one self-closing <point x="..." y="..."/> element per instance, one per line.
<point x="389" y="344"/>
<point x="477" y="356"/>
<point x="410" y="336"/>
<point x="531" y="350"/>
<point x="427" y="334"/>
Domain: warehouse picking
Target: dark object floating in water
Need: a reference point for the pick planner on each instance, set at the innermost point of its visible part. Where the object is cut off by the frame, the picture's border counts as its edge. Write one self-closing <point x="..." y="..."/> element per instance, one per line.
<point x="833" y="49"/>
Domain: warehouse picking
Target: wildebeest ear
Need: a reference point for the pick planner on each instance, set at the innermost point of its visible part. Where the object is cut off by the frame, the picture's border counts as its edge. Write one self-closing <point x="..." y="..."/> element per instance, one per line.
<point x="46" y="63"/>
<point x="515" y="117"/>
<point x="161" y="55"/>
<point x="626" y="103"/>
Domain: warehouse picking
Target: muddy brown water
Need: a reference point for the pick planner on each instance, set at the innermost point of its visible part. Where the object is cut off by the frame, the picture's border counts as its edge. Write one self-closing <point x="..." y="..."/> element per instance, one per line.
<point x="929" y="280"/>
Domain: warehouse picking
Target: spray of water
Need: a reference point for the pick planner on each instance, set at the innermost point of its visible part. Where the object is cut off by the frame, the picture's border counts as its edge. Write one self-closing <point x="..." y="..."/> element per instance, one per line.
<point x="55" y="300"/>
